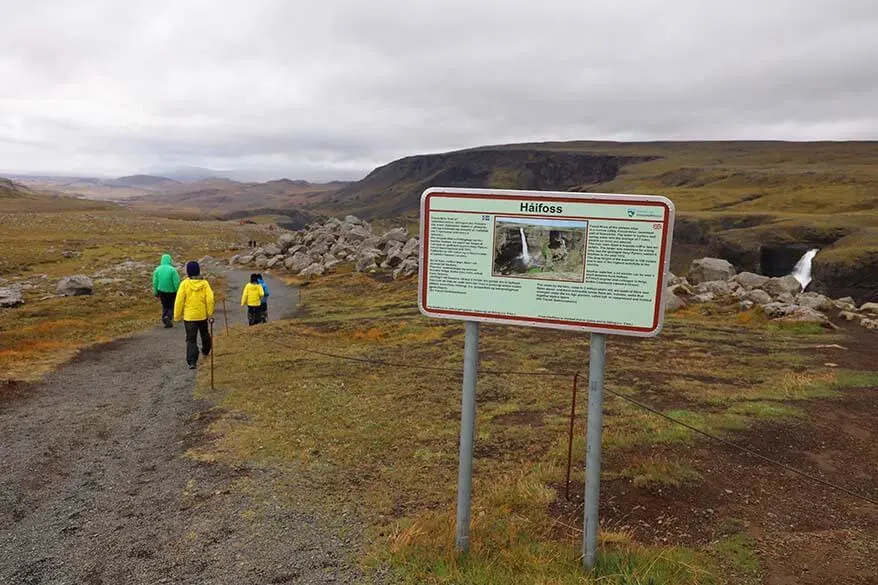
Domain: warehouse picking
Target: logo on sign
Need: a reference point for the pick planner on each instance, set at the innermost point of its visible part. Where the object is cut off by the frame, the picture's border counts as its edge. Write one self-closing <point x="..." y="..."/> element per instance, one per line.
<point x="630" y="213"/>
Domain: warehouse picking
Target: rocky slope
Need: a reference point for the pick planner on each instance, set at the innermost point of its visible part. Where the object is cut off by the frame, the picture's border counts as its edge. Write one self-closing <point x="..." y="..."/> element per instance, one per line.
<point x="395" y="188"/>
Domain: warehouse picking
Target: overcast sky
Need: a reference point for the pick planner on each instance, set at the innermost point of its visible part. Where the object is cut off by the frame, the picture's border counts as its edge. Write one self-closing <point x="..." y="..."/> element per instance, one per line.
<point x="331" y="88"/>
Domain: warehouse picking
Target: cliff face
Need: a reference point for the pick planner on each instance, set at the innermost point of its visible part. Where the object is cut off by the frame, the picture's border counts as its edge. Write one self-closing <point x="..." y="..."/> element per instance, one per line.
<point x="395" y="188"/>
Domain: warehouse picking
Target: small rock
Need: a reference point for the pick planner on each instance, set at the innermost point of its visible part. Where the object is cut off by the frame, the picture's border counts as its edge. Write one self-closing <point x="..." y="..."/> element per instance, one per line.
<point x="759" y="297"/>
<point x="272" y="250"/>
<point x="682" y="287"/>
<point x="75" y="285"/>
<point x="746" y="305"/>
<point x="357" y="233"/>
<point x="297" y="262"/>
<point x="749" y="280"/>
<point x="871" y="308"/>
<point x="717" y="287"/>
<point x="313" y="270"/>
<point x="286" y="241"/>
<point x="275" y="261"/>
<point x="10" y="296"/>
<point x="411" y="248"/>
<point x="673" y="302"/>
<point x="784" y="284"/>
<point x="409" y="267"/>
<point x="703" y="297"/>
<point x="849" y="316"/>
<point x="816" y="301"/>
<point x="786" y="298"/>
<point x="366" y="259"/>
<point x="399" y="234"/>
<point x="707" y="269"/>
<point x="775" y="310"/>
<point x="869" y="323"/>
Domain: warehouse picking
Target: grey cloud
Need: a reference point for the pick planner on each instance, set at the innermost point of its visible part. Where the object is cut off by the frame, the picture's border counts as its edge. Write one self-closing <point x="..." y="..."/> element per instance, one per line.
<point x="321" y="89"/>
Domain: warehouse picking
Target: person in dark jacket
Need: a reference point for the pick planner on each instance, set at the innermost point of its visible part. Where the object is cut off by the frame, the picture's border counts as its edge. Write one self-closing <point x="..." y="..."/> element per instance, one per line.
<point x="165" y="282"/>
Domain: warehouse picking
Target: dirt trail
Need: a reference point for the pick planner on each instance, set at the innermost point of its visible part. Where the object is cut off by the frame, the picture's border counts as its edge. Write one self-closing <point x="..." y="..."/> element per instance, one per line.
<point x="94" y="487"/>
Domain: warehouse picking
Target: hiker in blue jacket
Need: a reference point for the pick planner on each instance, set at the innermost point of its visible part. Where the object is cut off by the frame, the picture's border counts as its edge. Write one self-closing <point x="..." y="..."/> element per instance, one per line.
<point x="263" y="309"/>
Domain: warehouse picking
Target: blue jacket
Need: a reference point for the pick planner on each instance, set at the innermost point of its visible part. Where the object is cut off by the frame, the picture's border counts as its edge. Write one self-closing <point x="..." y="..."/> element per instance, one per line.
<point x="265" y="289"/>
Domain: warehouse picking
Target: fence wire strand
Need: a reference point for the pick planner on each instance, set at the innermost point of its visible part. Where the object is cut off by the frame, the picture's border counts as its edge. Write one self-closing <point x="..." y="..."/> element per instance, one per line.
<point x="636" y="403"/>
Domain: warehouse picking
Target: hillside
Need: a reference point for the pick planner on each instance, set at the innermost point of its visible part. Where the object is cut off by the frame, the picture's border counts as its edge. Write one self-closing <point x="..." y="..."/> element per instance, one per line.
<point x="142" y="182"/>
<point x="395" y="188"/>
<point x="17" y="198"/>
<point x="759" y="204"/>
<point x="816" y="177"/>
<point x="224" y="197"/>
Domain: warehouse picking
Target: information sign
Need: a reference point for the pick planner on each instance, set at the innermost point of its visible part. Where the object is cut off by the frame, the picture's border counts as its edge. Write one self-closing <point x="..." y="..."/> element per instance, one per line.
<point x="591" y="262"/>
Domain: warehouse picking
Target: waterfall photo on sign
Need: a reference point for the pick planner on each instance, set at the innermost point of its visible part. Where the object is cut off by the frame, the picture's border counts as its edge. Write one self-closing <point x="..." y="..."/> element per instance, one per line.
<point x="544" y="249"/>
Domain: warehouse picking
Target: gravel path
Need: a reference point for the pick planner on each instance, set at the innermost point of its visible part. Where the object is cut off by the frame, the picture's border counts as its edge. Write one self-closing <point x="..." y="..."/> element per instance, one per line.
<point x="94" y="488"/>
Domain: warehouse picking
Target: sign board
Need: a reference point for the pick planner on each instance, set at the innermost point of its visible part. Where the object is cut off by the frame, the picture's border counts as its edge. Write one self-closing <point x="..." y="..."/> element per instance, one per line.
<point x="591" y="262"/>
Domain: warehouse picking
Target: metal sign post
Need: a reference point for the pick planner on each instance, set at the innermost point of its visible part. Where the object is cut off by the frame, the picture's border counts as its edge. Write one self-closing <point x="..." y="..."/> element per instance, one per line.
<point x="467" y="435"/>
<point x="587" y="262"/>
<point x="597" y="354"/>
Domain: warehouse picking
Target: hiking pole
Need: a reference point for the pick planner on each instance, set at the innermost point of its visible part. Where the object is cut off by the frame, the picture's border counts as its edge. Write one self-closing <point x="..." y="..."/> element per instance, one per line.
<point x="211" y="354"/>
<point x="226" y="314"/>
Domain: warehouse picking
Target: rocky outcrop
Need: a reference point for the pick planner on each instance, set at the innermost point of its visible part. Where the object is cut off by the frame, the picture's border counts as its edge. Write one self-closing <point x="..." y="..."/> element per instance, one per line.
<point x="76" y="285"/>
<point x="323" y="246"/>
<point x="779" y="299"/>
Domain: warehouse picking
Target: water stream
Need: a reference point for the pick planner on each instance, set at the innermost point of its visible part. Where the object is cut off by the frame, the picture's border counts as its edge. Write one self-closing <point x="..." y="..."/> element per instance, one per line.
<point x="802" y="269"/>
<point x="525" y="255"/>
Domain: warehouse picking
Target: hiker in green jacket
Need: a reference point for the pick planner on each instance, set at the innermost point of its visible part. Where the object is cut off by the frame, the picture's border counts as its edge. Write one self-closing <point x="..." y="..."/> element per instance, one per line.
<point x="165" y="282"/>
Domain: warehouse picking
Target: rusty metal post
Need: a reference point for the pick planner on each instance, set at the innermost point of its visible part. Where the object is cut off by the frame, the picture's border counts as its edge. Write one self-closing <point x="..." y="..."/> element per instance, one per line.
<point x="226" y="314"/>
<point x="212" y="351"/>
<point x="570" y="438"/>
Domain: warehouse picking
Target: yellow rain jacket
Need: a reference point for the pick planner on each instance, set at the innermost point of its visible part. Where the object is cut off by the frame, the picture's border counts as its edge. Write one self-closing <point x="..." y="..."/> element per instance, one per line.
<point x="252" y="296"/>
<point x="194" y="300"/>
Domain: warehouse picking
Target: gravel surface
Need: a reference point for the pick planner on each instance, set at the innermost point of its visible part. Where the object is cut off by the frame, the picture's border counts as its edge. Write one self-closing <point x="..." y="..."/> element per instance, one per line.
<point x="94" y="487"/>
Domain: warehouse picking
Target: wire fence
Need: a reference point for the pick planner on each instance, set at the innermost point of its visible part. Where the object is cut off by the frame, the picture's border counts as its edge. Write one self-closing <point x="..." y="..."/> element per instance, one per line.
<point x="575" y="375"/>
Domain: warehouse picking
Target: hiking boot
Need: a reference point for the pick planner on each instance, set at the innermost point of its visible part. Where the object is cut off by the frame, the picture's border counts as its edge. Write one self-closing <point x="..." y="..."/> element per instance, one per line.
<point x="192" y="366"/>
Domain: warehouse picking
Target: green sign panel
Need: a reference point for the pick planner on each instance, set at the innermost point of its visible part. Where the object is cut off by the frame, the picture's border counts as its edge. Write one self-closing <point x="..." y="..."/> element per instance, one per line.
<point x="586" y="261"/>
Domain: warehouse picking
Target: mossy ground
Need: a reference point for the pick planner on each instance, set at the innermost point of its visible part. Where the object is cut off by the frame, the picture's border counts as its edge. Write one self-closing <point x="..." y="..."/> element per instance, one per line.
<point x="384" y="435"/>
<point x="47" y="331"/>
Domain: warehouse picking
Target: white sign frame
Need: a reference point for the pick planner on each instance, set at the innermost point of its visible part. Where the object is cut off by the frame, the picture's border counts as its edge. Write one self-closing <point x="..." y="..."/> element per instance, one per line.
<point x="595" y="198"/>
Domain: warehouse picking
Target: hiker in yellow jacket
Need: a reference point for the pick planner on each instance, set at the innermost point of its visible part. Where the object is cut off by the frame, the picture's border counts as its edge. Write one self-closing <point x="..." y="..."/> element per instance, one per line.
<point x="252" y="299"/>
<point x="194" y="306"/>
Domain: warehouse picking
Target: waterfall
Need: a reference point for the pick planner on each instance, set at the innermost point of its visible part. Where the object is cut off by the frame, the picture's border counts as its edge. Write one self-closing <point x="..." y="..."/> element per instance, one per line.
<point x="525" y="255"/>
<point x="802" y="270"/>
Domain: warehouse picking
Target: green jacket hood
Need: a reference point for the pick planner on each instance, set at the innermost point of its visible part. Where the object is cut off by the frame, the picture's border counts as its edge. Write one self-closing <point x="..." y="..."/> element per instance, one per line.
<point x="166" y="260"/>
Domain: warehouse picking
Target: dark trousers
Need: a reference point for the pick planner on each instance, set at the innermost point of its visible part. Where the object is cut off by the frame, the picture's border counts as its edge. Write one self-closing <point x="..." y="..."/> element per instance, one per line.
<point x="254" y="315"/>
<point x="167" y="306"/>
<point x="193" y="328"/>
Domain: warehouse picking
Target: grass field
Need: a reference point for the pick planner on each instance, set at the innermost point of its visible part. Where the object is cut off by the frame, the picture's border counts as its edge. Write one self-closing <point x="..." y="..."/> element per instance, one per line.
<point x="384" y="435"/>
<point x="37" y="248"/>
